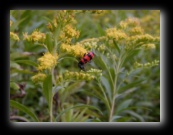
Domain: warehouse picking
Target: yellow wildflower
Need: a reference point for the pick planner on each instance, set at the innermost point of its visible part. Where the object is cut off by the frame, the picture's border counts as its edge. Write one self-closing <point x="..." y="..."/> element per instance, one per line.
<point x="149" y="46"/>
<point x="78" y="76"/>
<point x="14" y="36"/>
<point x="38" y="77"/>
<point x="136" y="31"/>
<point x="47" y="61"/>
<point x="115" y="34"/>
<point x="68" y="33"/>
<point x="151" y="22"/>
<point x="55" y="23"/>
<point x="76" y="50"/>
<point x="132" y="22"/>
<point x="49" y="26"/>
<point x="38" y="36"/>
<point x="146" y="65"/>
<point x="123" y="25"/>
<point x="26" y="37"/>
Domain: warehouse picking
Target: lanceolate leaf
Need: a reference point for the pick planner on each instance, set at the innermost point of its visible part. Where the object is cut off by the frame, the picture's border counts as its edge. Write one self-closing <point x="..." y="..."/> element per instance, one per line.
<point x="134" y="114"/>
<point x="70" y="90"/>
<point x="116" y="46"/>
<point x="78" y="106"/>
<point x="24" y="109"/>
<point x="128" y="86"/>
<point x="67" y="57"/>
<point x="27" y="62"/>
<point x="131" y="56"/>
<point x="47" y="89"/>
<point x="123" y="105"/>
<point x="49" y="42"/>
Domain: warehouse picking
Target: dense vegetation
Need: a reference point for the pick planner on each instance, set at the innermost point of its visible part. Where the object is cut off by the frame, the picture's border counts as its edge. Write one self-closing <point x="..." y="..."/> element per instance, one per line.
<point x="120" y="84"/>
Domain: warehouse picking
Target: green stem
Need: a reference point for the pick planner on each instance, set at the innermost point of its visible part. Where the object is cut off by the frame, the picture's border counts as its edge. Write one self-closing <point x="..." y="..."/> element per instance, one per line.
<point x="107" y="101"/>
<point x="51" y="110"/>
<point x="53" y="77"/>
<point x="115" y="88"/>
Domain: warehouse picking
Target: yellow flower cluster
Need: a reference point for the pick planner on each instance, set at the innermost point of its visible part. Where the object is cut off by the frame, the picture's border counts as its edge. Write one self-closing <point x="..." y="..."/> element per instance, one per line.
<point x="75" y="50"/>
<point x="132" y="22"/>
<point x="35" y="36"/>
<point x="151" y="22"/>
<point x="130" y="34"/>
<point x="62" y="18"/>
<point x="117" y="35"/>
<point x="136" y="31"/>
<point x="141" y="38"/>
<point x="149" y="46"/>
<point x="95" y="72"/>
<point x="78" y="76"/>
<point x="146" y="65"/>
<point x="90" y="43"/>
<point x="101" y="48"/>
<point x="47" y="61"/>
<point x="14" y="36"/>
<point x="68" y="33"/>
<point x="38" y="77"/>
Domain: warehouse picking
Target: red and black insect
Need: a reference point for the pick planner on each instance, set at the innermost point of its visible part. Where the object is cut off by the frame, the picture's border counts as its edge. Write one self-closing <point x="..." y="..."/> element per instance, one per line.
<point x="87" y="57"/>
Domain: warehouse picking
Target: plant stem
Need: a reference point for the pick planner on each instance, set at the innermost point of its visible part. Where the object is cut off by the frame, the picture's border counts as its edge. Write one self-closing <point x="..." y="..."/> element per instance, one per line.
<point x="51" y="111"/>
<point x="113" y="101"/>
<point x="114" y="90"/>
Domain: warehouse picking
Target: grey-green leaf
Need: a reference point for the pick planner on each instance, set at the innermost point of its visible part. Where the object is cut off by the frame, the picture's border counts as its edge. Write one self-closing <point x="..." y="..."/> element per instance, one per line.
<point x="78" y="106"/>
<point x="47" y="89"/>
<point x="28" y="62"/>
<point x="123" y="105"/>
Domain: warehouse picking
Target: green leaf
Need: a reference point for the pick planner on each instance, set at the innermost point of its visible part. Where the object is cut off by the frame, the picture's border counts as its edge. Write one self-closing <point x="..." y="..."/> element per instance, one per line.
<point x="145" y="103"/>
<point x="27" y="62"/>
<point x="98" y="95"/>
<point x="14" y="86"/>
<point x="36" y="48"/>
<point x="24" y="109"/>
<point x="80" y="116"/>
<point x="130" y="56"/>
<point x="116" y="46"/>
<point x="70" y="90"/>
<point x="15" y="65"/>
<point x="114" y="118"/>
<point x="134" y="114"/>
<point x="123" y="105"/>
<point x="100" y="30"/>
<point x="47" y="19"/>
<point x="47" y="89"/>
<point x="78" y="106"/>
<point x="49" y="42"/>
<point x="72" y="58"/>
<point x="129" y="86"/>
<point x="107" y="85"/>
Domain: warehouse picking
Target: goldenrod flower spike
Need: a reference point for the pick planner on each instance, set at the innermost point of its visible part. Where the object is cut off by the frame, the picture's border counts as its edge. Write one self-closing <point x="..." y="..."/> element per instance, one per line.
<point x="38" y="36"/>
<point x="149" y="46"/>
<point x="48" y="61"/>
<point x="77" y="76"/>
<point x="68" y="33"/>
<point x="38" y="77"/>
<point x="75" y="50"/>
